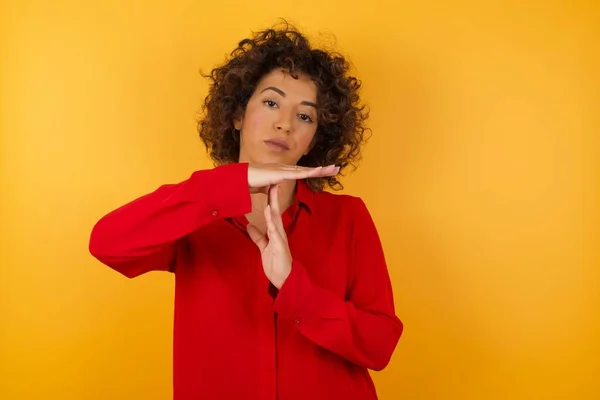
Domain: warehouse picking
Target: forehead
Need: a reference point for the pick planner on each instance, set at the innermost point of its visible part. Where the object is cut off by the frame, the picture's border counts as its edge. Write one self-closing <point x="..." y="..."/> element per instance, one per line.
<point x="302" y="88"/>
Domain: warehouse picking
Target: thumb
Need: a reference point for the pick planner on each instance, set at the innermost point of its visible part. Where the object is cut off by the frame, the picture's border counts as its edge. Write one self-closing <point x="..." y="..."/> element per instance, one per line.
<point x="258" y="238"/>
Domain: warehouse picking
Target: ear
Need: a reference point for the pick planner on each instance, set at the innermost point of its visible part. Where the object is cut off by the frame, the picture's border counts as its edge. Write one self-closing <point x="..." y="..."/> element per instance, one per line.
<point x="238" y="119"/>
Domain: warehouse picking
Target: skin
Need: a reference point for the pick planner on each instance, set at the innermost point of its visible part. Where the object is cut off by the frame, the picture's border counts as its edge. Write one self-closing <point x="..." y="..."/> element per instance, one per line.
<point x="283" y="109"/>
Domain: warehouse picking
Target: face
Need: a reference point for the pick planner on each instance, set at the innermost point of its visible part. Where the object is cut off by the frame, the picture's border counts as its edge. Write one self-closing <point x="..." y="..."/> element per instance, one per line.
<point x="280" y="120"/>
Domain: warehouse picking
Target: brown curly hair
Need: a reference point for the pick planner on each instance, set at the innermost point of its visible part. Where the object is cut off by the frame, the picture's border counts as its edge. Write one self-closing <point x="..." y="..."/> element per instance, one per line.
<point x="341" y="119"/>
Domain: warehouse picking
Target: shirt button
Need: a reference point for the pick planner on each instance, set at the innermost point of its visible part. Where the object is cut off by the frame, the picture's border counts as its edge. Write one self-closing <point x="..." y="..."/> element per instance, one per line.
<point x="215" y="213"/>
<point x="296" y="321"/>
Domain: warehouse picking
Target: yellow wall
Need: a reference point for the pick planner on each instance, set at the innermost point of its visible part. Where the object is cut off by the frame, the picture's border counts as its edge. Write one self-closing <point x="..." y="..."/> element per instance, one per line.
<point x="481" y="177"/>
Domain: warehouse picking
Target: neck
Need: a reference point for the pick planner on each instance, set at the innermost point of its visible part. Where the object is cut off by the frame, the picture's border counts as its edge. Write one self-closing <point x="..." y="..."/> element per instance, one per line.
<point x="286" y="197"/>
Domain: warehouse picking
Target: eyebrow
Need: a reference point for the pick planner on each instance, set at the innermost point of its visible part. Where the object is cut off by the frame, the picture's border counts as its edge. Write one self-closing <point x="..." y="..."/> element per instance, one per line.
<point x="282" y="93"/>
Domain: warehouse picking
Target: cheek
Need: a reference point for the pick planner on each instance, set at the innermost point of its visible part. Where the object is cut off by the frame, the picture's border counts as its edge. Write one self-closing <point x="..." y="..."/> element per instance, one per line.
<point x="306" y="138"/>
<point x="255" y="121"/>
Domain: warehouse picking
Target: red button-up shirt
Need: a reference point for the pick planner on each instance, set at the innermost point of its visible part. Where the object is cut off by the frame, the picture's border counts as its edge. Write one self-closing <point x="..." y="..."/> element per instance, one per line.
<point x="235" y="335"/>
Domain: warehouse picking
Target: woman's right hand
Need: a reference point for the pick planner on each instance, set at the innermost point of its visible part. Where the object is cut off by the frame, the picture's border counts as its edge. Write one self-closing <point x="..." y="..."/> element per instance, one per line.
<point x="261" y="176"/>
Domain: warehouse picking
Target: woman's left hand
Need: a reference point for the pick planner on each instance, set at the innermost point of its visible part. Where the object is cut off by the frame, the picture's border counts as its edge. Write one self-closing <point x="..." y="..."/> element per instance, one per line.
<point x="275" y="251"/>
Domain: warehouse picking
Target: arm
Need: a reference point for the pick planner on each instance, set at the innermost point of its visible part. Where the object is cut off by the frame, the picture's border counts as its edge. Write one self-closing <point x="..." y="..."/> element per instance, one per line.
<point x="141" y="236"/>
<point x="364" y="329"/>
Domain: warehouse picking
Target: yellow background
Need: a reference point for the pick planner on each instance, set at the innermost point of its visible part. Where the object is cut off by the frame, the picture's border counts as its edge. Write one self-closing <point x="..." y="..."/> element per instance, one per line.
<point x="482" y="175"/>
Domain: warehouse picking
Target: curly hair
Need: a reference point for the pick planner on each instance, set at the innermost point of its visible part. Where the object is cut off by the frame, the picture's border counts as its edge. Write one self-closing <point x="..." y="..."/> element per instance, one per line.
<point x="341" y="126"/>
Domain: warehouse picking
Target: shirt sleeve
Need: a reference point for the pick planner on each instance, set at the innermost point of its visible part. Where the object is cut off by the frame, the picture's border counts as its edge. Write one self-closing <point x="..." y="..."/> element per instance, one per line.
<point x="143" y="234"/>
<point x="363" y="329"/>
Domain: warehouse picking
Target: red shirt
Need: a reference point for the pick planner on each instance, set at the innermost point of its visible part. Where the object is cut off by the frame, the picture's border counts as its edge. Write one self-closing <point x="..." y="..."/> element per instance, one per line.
<point x="235" y="335"/>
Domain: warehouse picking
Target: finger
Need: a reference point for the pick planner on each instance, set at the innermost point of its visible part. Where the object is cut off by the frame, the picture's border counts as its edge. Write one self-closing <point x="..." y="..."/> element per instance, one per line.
<point x="287" y="172"/>
<point x="301" y="174"/>
<point x="276" y="211"/>
<point x="295" y="167"/>
<point x="300" y="169"/>
<point x="274" y="197"/>
<point x="272" y="231"/>
<point x="257" y="237"/>
<point x="329" y="170"/>
<point x="306" y="172"/>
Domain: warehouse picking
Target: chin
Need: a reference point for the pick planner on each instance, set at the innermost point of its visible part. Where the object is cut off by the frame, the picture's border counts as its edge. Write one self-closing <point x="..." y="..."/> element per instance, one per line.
<point x="269" y="157"/>
<point x="276" y="158"/>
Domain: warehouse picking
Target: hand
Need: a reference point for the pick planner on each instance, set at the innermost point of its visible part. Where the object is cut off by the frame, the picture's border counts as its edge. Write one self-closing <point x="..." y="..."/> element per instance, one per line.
<point x="262" y="176"/>
<point x="275" y="252"/>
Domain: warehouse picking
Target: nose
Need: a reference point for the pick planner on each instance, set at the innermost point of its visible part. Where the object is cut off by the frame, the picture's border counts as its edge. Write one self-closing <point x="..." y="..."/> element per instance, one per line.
<point x="283" y="124"/>
<point x="283" y="127"/>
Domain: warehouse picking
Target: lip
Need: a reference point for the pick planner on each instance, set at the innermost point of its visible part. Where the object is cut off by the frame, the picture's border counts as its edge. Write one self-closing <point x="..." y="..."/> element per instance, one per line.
<point x="278" y="144"/>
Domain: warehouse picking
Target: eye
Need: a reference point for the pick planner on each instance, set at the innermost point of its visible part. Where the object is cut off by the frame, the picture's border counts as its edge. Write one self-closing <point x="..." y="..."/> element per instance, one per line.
<point x="305" y="118"/>
<point x="270" y="103"/>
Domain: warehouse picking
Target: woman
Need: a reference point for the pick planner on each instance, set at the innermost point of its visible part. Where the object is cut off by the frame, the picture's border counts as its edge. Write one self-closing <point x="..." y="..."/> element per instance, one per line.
<point x="282" y="290"/>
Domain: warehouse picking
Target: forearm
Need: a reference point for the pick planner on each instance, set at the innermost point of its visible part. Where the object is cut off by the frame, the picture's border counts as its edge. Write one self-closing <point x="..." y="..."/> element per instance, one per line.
<point x="366" y="336"/>
<point x="141" y="235"/>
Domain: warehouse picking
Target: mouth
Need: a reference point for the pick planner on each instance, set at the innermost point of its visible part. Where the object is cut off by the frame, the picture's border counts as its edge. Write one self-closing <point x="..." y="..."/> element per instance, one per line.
<point x="278" y="144"/>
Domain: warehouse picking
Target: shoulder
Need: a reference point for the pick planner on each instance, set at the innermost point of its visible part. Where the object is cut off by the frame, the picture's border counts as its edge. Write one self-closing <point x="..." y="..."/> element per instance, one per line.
<point x="345" y="215"/>
<point x="353" y="207"/>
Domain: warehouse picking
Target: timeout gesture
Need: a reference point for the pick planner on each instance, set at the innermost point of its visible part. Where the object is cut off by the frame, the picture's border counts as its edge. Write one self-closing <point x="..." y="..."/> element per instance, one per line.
<point x="274" y="248"/>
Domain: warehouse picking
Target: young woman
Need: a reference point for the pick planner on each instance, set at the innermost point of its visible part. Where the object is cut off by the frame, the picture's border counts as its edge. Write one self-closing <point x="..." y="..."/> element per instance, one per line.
<point x="282" y="290"/>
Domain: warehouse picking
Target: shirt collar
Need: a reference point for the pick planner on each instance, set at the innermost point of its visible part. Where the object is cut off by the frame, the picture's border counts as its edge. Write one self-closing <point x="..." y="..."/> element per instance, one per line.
<point x="305" y="196"/>
<point x="304" y="199"/>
